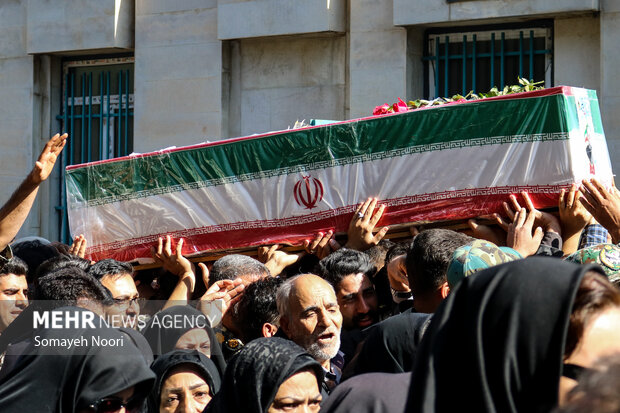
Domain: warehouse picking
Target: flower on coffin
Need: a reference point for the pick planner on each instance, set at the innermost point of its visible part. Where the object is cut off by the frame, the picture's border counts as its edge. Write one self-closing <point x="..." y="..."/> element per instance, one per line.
<point x="400" y="106"/>
<point x="382" y="109"/>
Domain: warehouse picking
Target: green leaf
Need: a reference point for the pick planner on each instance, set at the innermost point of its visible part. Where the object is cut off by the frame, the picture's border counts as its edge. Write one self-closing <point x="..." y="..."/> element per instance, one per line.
<point x="524" y="85"/>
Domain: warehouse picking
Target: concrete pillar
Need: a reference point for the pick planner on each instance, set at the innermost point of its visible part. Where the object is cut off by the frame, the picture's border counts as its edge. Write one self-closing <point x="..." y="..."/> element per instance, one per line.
<point x="377" y="57"/>
<point x="577" y="52"/>
<point x="277" y="81"/>
<point x="16" y="116"/>
<point x="178" y="74"/>
<point x="610" y="81"/>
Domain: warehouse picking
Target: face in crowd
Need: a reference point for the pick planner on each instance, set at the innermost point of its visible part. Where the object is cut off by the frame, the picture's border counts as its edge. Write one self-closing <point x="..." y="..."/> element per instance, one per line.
<point x="298" y="394"/>
<point x="313" y="319"/>
<point x="125" y="310"/>
<point x="13" y="298"/>
<point x="358" y="301"/>
<point x="195" y="339"/>
<point x="120" y="402"/>
<point x="601" y="338"/>
<point x="185" y="391"/>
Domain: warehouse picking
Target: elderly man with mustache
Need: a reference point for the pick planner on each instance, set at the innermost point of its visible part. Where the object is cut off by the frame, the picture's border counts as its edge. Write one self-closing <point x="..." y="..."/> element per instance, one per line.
<point x="310" y="316"/>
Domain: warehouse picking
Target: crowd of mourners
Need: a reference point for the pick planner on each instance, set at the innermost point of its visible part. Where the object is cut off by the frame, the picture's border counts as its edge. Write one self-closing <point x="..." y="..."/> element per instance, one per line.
<point x="520" y="312"/>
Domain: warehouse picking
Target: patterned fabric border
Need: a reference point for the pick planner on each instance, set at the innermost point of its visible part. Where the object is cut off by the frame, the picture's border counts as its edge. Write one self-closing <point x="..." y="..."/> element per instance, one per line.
<point x="310" y="218"/>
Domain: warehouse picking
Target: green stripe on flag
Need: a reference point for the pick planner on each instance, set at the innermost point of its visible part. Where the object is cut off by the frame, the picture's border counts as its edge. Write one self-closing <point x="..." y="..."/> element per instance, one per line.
<point x="595" y="110"/>
<point x="446" y="127"/>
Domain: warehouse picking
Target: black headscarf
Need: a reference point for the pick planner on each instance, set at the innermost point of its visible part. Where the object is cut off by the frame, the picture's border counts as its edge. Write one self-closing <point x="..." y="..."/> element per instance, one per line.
<point x="496" y="344"/>
<point x="140" y="342"/>
<point x="164" y="339"/>
<point x="255" y="373"/>
<point x="65" y="380"/>
<point x="391" y="345"/>
<point x="369" y="393"/>
<point x="168" y="361"/>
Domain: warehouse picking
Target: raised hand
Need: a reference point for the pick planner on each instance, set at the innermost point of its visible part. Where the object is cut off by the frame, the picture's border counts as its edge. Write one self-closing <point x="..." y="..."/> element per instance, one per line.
<point x="178" y="265"/>
<point x="228" y="291"/>
<point x="365" y="218"/>
<point x="45" y="164"/>
<point x="573" y="217"/>
<point x="78" y="247"/>
<point x="547" y="221"/>
<point x="603" y="204"/>
<point x="322" y="245"/>
<point x="276" y="260"/>
<point x="14" y="212"/>
<point x="520" y="237"/>
<point x="573" y="214"/>
<point x="496" y="235"/>
<point x="397" y="274"/>
<point x="175" y="262"/>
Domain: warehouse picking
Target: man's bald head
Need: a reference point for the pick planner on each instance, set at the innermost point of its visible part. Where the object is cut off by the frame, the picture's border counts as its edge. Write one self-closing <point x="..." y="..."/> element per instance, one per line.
<point x="310" y="315"/>
<point x="292" y="285"/>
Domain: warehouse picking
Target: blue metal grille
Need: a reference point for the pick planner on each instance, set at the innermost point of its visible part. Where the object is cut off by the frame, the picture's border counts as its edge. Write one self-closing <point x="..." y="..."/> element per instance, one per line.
<point x="97" y="112"/>
<point x="479" y="59"/>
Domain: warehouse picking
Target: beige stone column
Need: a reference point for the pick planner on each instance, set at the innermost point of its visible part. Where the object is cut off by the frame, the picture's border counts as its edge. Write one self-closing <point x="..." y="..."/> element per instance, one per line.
<point x="377" y="57"/>
<point x="610" y="78"/>
<point x="178" y="74"/>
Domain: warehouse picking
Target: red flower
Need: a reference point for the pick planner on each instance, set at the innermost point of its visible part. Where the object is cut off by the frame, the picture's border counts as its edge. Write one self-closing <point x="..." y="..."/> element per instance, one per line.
<point x="400" y="106"/>
<point x="382" y="109"/>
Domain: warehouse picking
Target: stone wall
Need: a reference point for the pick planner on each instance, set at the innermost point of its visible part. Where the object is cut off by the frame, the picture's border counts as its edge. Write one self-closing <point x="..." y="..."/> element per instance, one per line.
<point x="277" y="81"/>
<point x="577" y="52"/>
<point x="413" y="12"/>
<point x="178" y="74"/>
<point x="263" y="18"/>
<point x="377" y="57"/>
<point x="16" y="95"/>
<point x="79" y="25"/>
<point x="609" y="61"/>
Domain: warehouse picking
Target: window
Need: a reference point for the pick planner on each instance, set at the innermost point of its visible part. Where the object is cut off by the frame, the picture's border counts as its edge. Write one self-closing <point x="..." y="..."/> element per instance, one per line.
<point x="476" y="59"/>
<point x="97" y="112"/>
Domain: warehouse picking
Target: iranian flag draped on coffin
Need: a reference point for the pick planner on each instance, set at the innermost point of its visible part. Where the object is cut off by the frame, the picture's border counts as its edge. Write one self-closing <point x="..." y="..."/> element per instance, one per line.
<point x="446" y="162"/>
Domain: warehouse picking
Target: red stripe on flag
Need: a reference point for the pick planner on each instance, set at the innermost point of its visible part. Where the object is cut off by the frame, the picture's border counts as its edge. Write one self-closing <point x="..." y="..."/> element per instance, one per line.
<point x="446" y="206"/>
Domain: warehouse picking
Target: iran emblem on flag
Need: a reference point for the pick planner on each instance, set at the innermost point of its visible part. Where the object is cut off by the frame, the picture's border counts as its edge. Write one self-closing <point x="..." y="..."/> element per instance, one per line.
<point x="308" y="192"/>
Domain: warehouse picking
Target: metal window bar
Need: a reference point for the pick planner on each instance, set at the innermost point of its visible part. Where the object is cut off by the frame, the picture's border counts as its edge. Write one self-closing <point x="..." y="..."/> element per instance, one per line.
<point x="476" y="53"/>
<point x="112" y="136"/>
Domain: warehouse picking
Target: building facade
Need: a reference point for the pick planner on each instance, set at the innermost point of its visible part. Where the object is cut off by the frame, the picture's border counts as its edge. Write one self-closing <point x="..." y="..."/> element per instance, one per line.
<point x="126" y="76"/>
